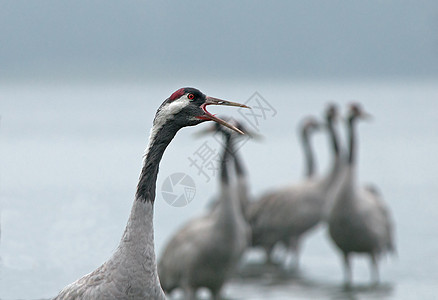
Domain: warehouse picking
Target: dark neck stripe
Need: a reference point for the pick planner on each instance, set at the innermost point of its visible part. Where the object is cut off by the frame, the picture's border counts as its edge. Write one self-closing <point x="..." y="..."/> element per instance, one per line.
<point x="334" y="137"/>
<point x="224" y="161"/>
<point x="308" y="153"/>
<point x="240" y="170"/>
<point x="148" y="178"/>
<point x="352" y="140"/>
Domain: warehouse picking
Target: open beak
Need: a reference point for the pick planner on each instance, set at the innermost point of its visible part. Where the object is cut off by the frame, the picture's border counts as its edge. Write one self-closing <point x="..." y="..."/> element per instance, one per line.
<point x="209" y="116"/>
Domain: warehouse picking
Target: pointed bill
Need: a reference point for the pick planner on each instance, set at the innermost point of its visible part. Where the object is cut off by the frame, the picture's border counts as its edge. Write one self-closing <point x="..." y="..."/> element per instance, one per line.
<point x="209" y="116"/>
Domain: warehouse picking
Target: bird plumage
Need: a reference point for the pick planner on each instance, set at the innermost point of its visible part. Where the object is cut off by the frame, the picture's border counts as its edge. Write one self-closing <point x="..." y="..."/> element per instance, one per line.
<point x="359" y="221"/>
<point x="205" y="251"/>
<point x="131" y="272"/>
<point x="286" y="214"/>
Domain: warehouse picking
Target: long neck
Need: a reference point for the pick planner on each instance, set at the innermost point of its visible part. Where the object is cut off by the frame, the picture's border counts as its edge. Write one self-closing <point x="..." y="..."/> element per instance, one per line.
<point x="352" y="141"/>
<point x="230" y="208"/>
<point x="348" y="185"/>
<point x="238" y="165"/>
<point x="242" y="184"/>
<point x="333" y="138"/>
<point x="158" y="141"/>
<point x="225" y="180"/>
<point x="308" y="153"/>
<point x="225" y="189"/>
<point x="136" y="248"/>
<point x="334" y="172"/>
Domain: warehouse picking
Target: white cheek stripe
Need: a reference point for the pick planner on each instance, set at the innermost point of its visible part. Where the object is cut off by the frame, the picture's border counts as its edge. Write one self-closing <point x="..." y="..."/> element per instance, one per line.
<point x="166" y="113"/>
<point x="171" y="109"/>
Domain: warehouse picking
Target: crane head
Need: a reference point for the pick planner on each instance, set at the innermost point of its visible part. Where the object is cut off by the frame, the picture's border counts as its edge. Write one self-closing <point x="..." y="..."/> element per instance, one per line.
<point x="356" y="111"/>
<point x="188" y="107"/>
<point x="310" y="124"/>
<point x="331" y="112"/>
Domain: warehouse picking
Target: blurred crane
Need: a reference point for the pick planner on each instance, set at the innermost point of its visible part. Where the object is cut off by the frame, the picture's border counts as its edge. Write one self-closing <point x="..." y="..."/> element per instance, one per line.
<point x="359" y="221"/>
<point x="131" y="272"/>
<point x="205" y="252"/>
<point x="286" y="214"/>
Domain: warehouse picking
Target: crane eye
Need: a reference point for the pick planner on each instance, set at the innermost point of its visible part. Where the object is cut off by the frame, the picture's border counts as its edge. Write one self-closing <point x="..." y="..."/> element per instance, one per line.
<point x="191" y="96"/>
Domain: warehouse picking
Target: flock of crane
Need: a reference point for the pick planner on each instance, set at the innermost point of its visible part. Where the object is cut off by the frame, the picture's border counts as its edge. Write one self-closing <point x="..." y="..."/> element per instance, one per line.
<point x="205" y="252"/>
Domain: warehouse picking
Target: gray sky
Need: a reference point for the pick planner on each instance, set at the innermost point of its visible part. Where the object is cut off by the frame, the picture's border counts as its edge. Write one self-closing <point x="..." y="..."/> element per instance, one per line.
<point x="308" y="39"/>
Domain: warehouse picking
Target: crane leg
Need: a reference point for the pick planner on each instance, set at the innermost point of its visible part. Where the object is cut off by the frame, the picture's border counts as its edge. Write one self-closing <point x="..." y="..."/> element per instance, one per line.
<point x="292" y="259"/>
<point x="347" y="270"/>
<point x="375" y="278"/>
<point x="217" y="296"/>
<point x="269" y="258"/>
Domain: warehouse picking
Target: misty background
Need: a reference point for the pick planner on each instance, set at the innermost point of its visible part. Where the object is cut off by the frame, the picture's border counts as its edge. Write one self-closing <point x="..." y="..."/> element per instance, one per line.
<point x="82" y="39"/>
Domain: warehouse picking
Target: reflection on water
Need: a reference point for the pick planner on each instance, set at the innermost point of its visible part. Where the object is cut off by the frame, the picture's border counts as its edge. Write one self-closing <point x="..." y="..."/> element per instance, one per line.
<point x="262" y="279"/>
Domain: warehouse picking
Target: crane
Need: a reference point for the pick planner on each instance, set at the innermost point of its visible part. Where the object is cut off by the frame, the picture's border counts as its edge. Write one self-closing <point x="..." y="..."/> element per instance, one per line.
<point x="131" y="272"/>
<point x="359" y="221"/>
<point x="286" y="214"/>
<point x="205" y="251"/>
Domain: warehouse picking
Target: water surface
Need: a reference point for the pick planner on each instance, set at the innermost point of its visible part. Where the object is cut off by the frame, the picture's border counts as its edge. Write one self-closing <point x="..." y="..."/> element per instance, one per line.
<point x="70" y="156"/>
